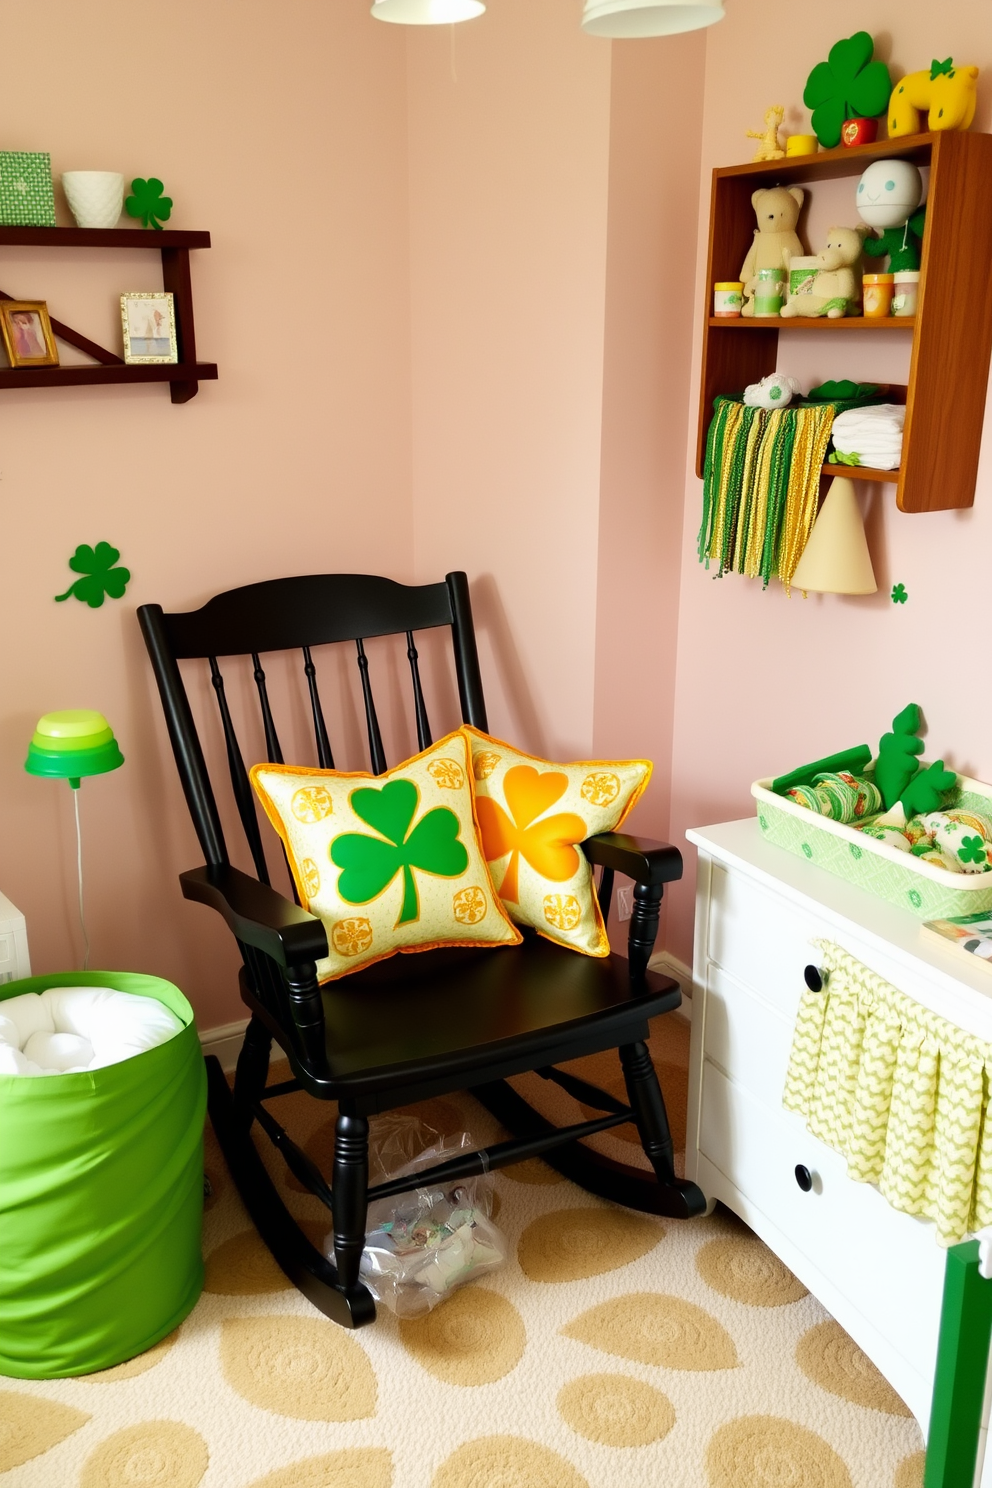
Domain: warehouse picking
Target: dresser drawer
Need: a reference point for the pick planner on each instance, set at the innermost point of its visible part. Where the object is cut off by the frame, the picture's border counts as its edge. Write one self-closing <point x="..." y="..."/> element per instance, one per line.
<point x="886" y="1264"/>
<point x="759" y="939"/>
<point x="745" y="1037"/>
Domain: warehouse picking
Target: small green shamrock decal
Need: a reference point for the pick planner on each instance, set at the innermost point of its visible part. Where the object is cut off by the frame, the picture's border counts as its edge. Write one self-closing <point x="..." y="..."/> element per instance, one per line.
<point x="899" y="595"/>
<point x="101" y="577"/>
<point x="369" y="864"/>
<point x="972" y="850"/>
<point x="848" y="85"/>
<point x="148" y="203"/>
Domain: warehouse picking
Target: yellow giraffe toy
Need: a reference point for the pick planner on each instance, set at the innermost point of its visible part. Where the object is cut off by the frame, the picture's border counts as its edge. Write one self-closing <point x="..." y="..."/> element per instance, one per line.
<point x="945" y="93"/>
<point x="769" y="149"/>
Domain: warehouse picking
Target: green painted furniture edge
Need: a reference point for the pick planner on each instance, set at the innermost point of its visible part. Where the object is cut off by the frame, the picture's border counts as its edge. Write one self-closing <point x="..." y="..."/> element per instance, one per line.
<point x="959" y="1379"/>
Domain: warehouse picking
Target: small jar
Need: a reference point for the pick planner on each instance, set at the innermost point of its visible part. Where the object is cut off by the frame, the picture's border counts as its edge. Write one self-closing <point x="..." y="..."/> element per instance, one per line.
<point x="728" y="297"/>
<point x="906" y="290"/>
<point x="769" y="291"/>
<point x="878" y="295"/>
<point x="802" y="144"/>
<point x="801" y="270"/>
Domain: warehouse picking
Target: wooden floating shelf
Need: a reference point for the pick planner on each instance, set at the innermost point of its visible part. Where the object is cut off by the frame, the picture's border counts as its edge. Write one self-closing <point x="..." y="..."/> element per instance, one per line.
<point x="34" y="377"/>
<point x="101" y="237"/>
<point x="948" y="342"/>
<point x="818" y="323"/>
<point x="184" y="377"/>
<point x="861" y="472"/>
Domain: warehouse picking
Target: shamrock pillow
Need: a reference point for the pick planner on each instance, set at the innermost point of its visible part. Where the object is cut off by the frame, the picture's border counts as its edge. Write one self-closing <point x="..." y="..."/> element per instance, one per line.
<point x="532" y="817"/>
<point x="389" y="862"/>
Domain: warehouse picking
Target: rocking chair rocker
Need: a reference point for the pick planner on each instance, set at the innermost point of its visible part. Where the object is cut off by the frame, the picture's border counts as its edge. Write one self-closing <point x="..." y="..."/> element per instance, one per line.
<point x="490" y="1013"/>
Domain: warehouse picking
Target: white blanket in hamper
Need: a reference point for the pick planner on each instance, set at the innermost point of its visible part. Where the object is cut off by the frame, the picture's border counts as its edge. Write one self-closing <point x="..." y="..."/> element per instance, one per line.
<point x="69" y="1029"/>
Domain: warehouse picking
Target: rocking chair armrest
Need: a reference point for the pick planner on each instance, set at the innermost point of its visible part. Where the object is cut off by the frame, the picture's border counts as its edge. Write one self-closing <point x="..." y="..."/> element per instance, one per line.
<point x="653" y="864"/>
<point x="258" y="914"/>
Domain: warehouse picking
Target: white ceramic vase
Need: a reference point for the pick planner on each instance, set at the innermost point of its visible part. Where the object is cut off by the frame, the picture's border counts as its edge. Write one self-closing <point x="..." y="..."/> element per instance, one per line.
<point x="95" y="198"/>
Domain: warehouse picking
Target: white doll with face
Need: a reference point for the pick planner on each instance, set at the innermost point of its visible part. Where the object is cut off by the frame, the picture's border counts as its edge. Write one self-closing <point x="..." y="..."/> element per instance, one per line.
<point x="889" y="192"/>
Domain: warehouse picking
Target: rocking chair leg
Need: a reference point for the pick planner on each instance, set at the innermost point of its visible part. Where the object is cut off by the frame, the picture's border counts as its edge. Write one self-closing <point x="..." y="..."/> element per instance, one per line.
<point x="351" y="1182"/>
<point x="648" y="1105"/>
<point x="252" y="1068"/>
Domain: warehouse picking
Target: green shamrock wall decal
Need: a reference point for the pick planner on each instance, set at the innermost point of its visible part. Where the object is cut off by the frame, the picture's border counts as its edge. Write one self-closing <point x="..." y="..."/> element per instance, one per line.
<point x="899" y="595"/>
<point x="148" y="203"/>
<point x="100" y="575"/>
<point x="369" y="864"/>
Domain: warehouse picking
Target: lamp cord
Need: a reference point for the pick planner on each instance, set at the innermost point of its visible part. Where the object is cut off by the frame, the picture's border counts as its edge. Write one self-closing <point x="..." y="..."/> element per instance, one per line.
<point x="79" y="874"/>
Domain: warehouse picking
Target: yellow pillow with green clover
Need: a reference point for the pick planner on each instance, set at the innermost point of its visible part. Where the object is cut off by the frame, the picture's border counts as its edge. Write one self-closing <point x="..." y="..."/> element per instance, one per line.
<point x="389" y="862"/>
<point x="532" y="817"/>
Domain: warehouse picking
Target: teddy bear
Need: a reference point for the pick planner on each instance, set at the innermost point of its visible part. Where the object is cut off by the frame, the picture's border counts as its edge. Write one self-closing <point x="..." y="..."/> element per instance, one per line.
<point x="777" y="210"/>
<point x="835" y="288"/>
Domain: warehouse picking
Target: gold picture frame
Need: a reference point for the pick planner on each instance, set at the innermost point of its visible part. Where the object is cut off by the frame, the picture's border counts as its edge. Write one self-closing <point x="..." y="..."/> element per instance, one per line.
<point x="149" y="323"/>
<point x="27" y="333"/>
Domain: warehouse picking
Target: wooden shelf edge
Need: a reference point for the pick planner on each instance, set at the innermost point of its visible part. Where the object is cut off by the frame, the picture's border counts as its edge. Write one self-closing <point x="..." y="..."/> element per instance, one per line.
<point x="862" y="473"/>
<point x="99" y="237"/>
<point x="811" y="323"/>
<point x="842" y="161"/>
<point x="35" y="377"/>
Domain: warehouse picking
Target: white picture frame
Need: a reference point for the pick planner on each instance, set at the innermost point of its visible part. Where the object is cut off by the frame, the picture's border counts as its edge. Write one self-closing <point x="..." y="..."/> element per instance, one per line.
<point x="148" y="319"/>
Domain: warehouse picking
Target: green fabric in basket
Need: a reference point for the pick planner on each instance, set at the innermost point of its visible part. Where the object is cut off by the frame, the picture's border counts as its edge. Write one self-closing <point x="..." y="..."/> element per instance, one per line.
<point x="913" y="887"/>
<point x="101" y="1197"/>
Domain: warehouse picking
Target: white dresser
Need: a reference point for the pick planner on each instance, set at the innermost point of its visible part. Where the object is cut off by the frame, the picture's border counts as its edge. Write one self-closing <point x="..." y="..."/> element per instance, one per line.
<point x="879" y="1272"/>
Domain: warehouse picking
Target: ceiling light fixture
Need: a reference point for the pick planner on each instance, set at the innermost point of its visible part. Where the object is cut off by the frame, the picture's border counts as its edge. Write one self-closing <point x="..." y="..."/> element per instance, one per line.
<point x="427" y="12"/>
<point x="634" y="18"/>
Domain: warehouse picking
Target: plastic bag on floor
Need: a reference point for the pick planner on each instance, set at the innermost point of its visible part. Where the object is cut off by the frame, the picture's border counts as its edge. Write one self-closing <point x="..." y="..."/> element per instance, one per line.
<point x="421" y="1245"/>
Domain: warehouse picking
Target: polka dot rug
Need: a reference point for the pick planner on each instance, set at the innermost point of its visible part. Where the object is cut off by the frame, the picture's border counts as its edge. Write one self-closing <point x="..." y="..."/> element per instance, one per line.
<point x="611" y="1350"/>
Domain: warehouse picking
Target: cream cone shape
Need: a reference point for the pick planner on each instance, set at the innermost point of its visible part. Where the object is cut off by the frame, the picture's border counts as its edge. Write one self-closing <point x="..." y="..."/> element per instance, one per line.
<point x="836" y="560"/>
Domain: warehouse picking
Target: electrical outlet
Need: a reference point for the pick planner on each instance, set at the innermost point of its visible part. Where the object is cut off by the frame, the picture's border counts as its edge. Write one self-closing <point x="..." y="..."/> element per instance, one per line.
<point x="625" y="902"/>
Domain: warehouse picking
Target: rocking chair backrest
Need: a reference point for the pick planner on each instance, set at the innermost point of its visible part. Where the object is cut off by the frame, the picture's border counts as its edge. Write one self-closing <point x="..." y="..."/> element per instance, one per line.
<point x="297" y="614"/>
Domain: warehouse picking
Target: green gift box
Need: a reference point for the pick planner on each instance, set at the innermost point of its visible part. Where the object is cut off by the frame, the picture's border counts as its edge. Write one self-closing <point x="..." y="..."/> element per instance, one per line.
<point x="26" y="195"/>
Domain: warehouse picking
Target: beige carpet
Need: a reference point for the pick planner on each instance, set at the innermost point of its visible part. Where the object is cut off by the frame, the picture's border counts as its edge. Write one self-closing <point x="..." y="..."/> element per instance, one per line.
<point x="612" y="1350"/>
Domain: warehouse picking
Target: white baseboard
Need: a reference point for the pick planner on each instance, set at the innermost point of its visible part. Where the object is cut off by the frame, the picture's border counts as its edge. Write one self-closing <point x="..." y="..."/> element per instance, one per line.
<point x="671" y="966"/>
<point x="224" y="1042"/>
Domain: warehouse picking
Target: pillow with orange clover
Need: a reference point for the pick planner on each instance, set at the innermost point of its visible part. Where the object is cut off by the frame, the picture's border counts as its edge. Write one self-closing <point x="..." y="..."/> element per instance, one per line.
<point x="389" y="862"/>
<point x="532" y="816"/>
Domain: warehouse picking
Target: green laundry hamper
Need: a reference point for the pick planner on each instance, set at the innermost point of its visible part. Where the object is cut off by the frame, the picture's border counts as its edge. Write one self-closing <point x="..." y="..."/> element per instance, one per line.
<point x="101" y="1197"/>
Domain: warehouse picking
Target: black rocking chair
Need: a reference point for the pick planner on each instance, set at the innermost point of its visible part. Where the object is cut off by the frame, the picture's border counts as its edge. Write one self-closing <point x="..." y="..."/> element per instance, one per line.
<point x="438" y="1021"/>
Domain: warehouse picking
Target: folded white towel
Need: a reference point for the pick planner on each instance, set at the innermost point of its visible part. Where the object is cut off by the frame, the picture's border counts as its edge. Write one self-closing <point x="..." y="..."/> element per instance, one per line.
<point x="874" y="433"/>
<point x="65" y="1030"/>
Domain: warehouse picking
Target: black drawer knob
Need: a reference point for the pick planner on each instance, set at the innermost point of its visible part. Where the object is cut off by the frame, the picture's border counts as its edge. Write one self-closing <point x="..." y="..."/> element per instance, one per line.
<point x="813" y="977"/>
<point x="804" y="1177"/>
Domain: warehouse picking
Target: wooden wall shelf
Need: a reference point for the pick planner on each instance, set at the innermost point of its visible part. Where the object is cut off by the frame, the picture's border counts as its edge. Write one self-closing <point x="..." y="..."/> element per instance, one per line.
<point x="951" y="332"/>
<point x="846" y="323"/>
<point x="183" y="377"/>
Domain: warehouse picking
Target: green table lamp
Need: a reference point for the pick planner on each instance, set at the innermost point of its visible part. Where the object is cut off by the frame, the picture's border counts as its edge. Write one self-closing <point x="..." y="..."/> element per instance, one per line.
<point x="72" y="744"/>
<point x="67" y="746"/>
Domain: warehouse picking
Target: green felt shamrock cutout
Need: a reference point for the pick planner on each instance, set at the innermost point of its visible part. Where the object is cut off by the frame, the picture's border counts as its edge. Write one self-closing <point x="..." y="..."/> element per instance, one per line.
<point x="369" y="864"/>
<point x="895" y="766"/>
<point x="838" y="457"/>
<point x="899" y="595"/>
<point x="849" y="85"/>
<point x="972" y="850"/>
<point x="148" y="203"/>
<point x="927" y="790"/>
<point x="101" y="576"/>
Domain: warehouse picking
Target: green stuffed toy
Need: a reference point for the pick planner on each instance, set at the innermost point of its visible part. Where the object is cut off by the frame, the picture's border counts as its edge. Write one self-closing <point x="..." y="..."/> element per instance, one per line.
<point x="903" y="244"/>
<point x="896" y="765"/>
<point x="927" y="791"/>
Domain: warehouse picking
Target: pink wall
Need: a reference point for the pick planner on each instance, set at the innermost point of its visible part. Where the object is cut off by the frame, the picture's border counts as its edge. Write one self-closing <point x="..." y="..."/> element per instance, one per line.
<point x="509" y="174"/>
<point x="765" y="682"/>
<point x="649" y="328"/>
<point x="284" y="134"/>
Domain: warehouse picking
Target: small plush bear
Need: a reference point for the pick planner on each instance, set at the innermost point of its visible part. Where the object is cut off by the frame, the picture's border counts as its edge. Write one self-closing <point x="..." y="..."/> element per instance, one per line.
<point x="777" y="210"/>
<point x="835" y="289"/>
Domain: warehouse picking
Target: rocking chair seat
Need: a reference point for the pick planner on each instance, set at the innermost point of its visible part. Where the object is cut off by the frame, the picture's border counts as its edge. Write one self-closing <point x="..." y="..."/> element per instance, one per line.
<point x="439" y="1020"/>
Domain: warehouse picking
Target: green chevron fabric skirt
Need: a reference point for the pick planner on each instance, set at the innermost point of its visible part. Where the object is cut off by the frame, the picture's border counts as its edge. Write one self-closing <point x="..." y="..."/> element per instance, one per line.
<point x="101" y="1198"/>
<point x="899" y="1091"/>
